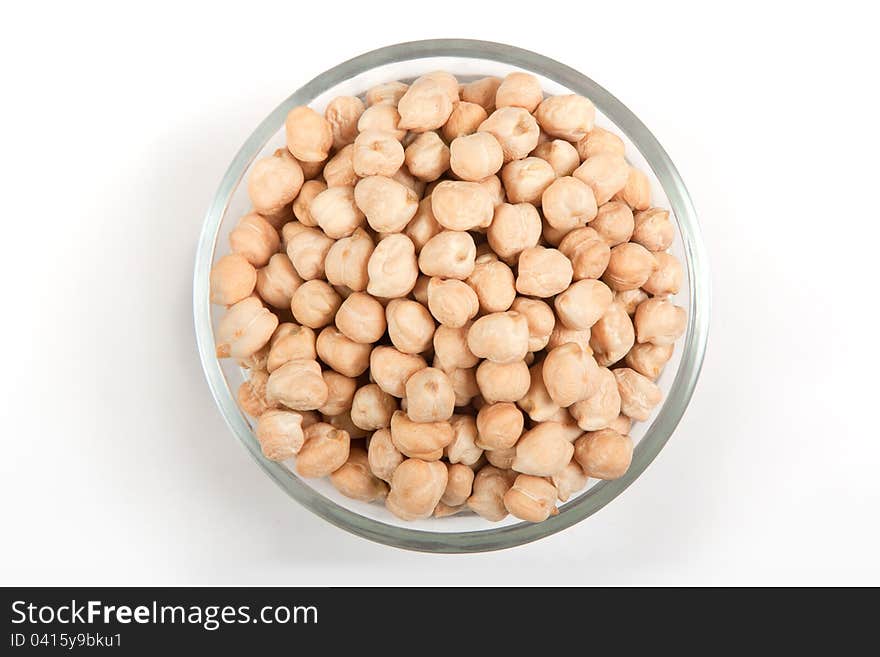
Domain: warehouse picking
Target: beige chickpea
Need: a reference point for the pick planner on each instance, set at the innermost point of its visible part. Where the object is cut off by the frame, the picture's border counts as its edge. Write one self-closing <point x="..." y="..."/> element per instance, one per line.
<point x="390" y="369"/>
<point x="502" y="458"/>
<point x="501" y="337"/>
<point x="666" y="278"/>
<point x="475" y="157"/>
<point x="588" y="252"/>
<point x="551" y="236"/>
<point x="493" y="187"/>
<point x="599" y="140"/>
<point x="602" y="407"/>
<point x="629" y="267"/>
<point x="570" y="374"/>
<point x="355" y="480"/>
<point x="361" y="318"/>
<point x="232" y="279"/>
<point x="425" y="106"/>
<point x="420" y="289"/>
<point x="499" y="425"/>
<point x="336" y="212"/>
<point x="459" y="485"/>
<point x="540" y="318"/>
<point x="422" y="440"/>
<point x="493" y="282"/>
<point x="393" y="267"/>
<point x="325" y="450"/>
<point x="387" y="204"/>
<point x="372" y="408"/>
<point x="298" y="385"/>
<point x="461" y="205"/>
<point x="446" y="80"/>
<point x="561" y="335"/>
<point x="339" y="169"/>
<point x="648" y="359"/>
<point x="309" y="135"/>
<point x="387" y="93"/>
<point x="452" y="302"/>
<point x="340" y="393"/>
<point x="614" y="222"/>
<point x="255" y="239"/>
<point x="343" y="113"/>
<point x="277" y="281"/>
<point x="427" y="157"/>
<point x="423" y="226"/>
<point x="463" y="448"/>
<point x="560" y="155"/>
<point x="252" y="394"/>
<point x="568" y="117"/>
<point x="583" y="303"/>
<point x="280" y="434"/>
<point x="489" y="487"/>
<point x="451" y="349"/>
<point x="526" y="180"/>
<point x="376" y="154"/>
<point x="429" y="396"/>
<point x="449" y="254"/>
<point x="653" y="229"/>
<point x="273" y="182"/>
<point x="464" y="384"/>
<point x="382" y="456"/>
<point x="514" y="229"/>
<point x="410" y="326"/>
<point x="416" y="488"/>
<point x="382" y="118"/>
<point x="605" y="173"/>
<point x="630" y="299"/>
<point x="481" y="92"/>
<point x="612" y="336"/>
<point x="515" y="129"/>
<point x="568" y="203"/>
<point x="342" y="354"/>
<point x="405" y="178"/>
<point x="537" y="402"/>
<point x="543" y="272"/>
<point x="244" y="329"/>
<point x="636" y="193"/>
<point x="532" y="499"/>
<point x="622" y="424"/>
<point x="311" y="170"/>
<point x="569" y="481"/>
<point x="659" y="321"/>
<point x="519" y="90"/>
<point x="314" y="304"/>
<point x="465" y="119"/>
<point x="307" y="250"/>
<point x="295" y="342"/>
<point x="638" y="394"/>
<point x="543" y="451"/>
<point x="499" y="382"/>
<point x="343" y="422"/>
<point x="348" y="259"/>
<point x="604" y="454"/>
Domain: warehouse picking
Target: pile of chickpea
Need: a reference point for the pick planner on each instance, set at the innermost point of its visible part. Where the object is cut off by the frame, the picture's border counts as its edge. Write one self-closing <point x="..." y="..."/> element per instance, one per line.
<point x="450" y="297"/>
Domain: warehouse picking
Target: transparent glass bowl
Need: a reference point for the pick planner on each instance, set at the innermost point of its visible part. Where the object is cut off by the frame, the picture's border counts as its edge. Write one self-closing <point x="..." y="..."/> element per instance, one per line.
<point x="467" y="60"/>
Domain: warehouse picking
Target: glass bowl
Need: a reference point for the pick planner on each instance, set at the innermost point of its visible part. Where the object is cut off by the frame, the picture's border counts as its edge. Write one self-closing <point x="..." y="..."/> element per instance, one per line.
<point x="467" y="60"/>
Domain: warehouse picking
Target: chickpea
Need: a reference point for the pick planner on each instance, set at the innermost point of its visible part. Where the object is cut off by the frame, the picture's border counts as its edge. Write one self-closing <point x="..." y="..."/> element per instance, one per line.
<point x="427" y="157"/>
<point x="514" y="229"/>
<point x="543" y="451"/>
<point x="583" y="303"/>
<point x="377" y="154"/>
<point x="382" y="118"/>
<point x="464" y="384"/>
<point x="463" y="448"/>
<point x="421" y="440"/>
<point x="612" y="336"/>
<point x="311" y="170"/>
<point x="631" y="299"/>
<point x="636" y="193"/>
<point x="638" y="394"/>
<point x="540" y="318"/>
<point x="493" y="282"/>
<point x="405" y="178"/>
<point x="459" y="205"/>
<point x="259" y="359"/>
<point x="519" y="90"/>
<point x="526" y="180"/>
<point x="274" y="182"/>
<point x="560" y="155"/>
<point x="382" y="456"/>
<point x="244" y="329"/>
<point x="561" y="335"/>
<point x="355" y="480"/>
<point x="604" y="454"/>
<point x="569" y="481"/>
<point x="372" y="408"/>
<point x="307" y="251"/>
<point x="532" y="499"/>
<point x="298" y="385"/>
<point x="449" y="254"/>
<point x="465" y="119"/>
<point x="499" y="425"/>
<point x="291" y="342"/>
<point x="629" y="267"/>
<point x="343" y="113"/>
<point x="492" y="186"/>
<point x="570" y="374"/>
<point x="459" y="485"/>
<point x="255" y="239"/>
<point x="653" y="230"/>
<point x="606" y="174"/>
<point x="339" y="170"/>
<point x="568" y="203"/>
<point x="340" y="393"/>
<point x="429" y="396"/>
<point x="568" y="117"/>
<point x="361" y="318"/>
<point x="335" y="211"/>
<point x="501" y="458"/>
<point x="410" y="326"/>
<point x="537" y="402"/>
<point x="390" y="369"/>
<point x="446" y="80"/>
<point x="599" y="140"/>
<point x="348" y="259"/>
<point x="281" y="216"/>
<point x="450" y="347"/>
<point x="232" y="279"/>
<point x="420" y="289"/>
<point x="621" y="425"/>
<point x="489" y="487"/>
<point x="423" y="226"/>
<point x="543" y="272"/>
<point x="553" y="236"/>
<point x="481" y="92"/>
<point x="452" y="302"/>
<point x="388" y="93"/>
<point x="388" y="204"/>
<point x="588" y="252"/>
<point x="602" y="407"/>
<point x="416" y="488"/>
<point x="342" y="354"/>
<point x="325" y="450"/>
<point x="503" y="382"/>
<point x="277" y="281"/>
<point x="426" y="105"/>
<point x="392" y="267"/>
<point x="280" y="434"/>
<point x="476" y="156"/>
<point x="314" y="304"/>
<point x="252" y="394"/>
<point x="501" y="337"/>
<point x="666" y="279"/>
<point x="309" y="135"/>
<point x="515" y="129"/>
<point x="648" y="359"/>
<point x="659" y="321"/>
<point x="444" y="510"/>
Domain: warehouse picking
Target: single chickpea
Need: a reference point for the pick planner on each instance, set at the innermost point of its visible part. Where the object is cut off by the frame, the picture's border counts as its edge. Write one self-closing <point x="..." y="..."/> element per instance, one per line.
<point x="277" y="281"/>
<point x="526" y="180"/>
<point x="423" y="226"/>
<point x="666" y="279"/>
<point x="355" y="480"/>
<point x="481" y="92"/>
<point x="537" y="402"/>
<point x="489" y="487"/>
<point x="465" y="119"/>
<point x="653" y="230"/>
<point x="382" y="455"/>
<point x="648" y="359"/>
<point x="420" y="289"/>
<point x="602" y="407"/>
<point x="502" y="458"/>
<point x="636" y="193"/>
<point x="560" y="155"/>
<point x="342" y="354"/>
<point x="416" y="488"/>
<point x="459" y="485"/>
<point x="410" y="326"/>
<point x="255" y="239"/>
<point x="599" y="140"/>
<point x="232" y="279"/>
<point x="452" y="302"/>
<point x="570" y="374"/>
<point x="501" y="337"/>
<point x="343" y="422"/>
<point x="606" y="174"/>
<point x="294" y="342"/>
<point x="339" y="170"/>
<point x="519" y="90"/>
<point x="612" y="336"/>
<point x="493" y="187"/>
<point x="372" y="408"/>
<point x="336" y="212"/>
<point x="532" y="499"/>
<point x="244" y="329"/>
<point x="377" y="154"/>
<point x="449" y="254"/>
<point x="540" y="318"/>
<point x="569" y="481"/>
<point x="361" y="318"/>
<point x="631" y="299"/>
<point x="561" y="335"/>
<point x="543" y="272"/>
<point x="568" y="203"/>
<point x="460" y="205"/>
<point x="280" y="434"/>
<point x="614" y="222"/>
<point x="325" y="450"/>
<point x="446" y="80"/>
<point x="298" y="385"/>
<point x="252" y="394"/>
<point x="568" y="117"/>
<point x="388" y="204"/>
<point x="348" y="259"/>
<point x="314" y="304"/>
<point x="387" y="93"/>
<point x="475" y="157"/>
<point x="343" y="113"/>
<point x="588" y="252"/>
<point x="464" y="384"/>
<point x="499" y="425"/>
<point x="515" y="129"/>
<point x="311" y="170"/>
<point x="429" y="396"/>
<point x="629" y="267"/>
<point x="543" y="451"/>
<point x="340" y="393"/>
<point x="390" y="369"/>
<point x="393" y="267"/>
<point x="309" y="135"/>
<point x="621" y="425"/>
<point x="382" y="118"/>
<point x="503" y="382"/>
<point x="659" y="321"/>
<point x="583" y="303"/>
<point x="274" y="182"/>
<point x="604" y="454"/>
<point x="463" y="448"/>
<point x="450" y="347"/>
<point x="552" y="237"/>
<point x="638" y="394"/>
<point x="307" y="251"/>
<point x="420" y="440"/>
<point x="514" y="229"/>
<point x="427" y="157"/>
<point x="493" y="282"/>
<point x="426" y="105"/>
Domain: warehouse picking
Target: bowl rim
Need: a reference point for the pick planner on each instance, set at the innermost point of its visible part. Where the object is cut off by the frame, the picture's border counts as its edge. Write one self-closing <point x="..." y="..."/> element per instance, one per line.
<point x="693" y="348"/>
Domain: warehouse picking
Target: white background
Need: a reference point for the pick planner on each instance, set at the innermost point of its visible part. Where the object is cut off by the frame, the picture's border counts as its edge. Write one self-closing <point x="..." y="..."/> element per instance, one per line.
<point x="117" y="124"/>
